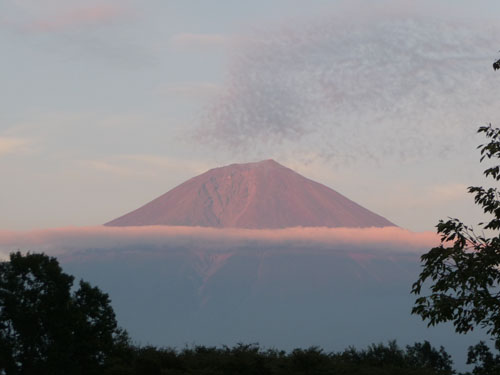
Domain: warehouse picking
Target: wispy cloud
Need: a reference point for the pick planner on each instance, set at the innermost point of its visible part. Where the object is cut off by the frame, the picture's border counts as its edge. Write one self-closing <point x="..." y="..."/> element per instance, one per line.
<point x="449" y="192"/>
<point x="143" y="164"/>
<point x="74" y="18"/>
<point x="12" y="145"/>
<point x="107" y="167"/>
<point x="384" y="85"/>
<point x="80" y="29"/>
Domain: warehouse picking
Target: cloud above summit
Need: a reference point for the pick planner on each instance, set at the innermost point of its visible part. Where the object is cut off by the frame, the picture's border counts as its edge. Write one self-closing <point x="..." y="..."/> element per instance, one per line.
<point x="380" y="85"/>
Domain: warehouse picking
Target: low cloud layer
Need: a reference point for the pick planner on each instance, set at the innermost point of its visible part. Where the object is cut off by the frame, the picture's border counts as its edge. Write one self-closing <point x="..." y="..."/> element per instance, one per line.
<point x="387" y="84"/>
<point x="61" y="241"/>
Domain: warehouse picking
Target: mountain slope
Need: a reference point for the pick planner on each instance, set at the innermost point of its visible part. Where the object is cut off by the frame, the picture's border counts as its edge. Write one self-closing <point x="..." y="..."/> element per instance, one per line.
<point x="262" y="195"/>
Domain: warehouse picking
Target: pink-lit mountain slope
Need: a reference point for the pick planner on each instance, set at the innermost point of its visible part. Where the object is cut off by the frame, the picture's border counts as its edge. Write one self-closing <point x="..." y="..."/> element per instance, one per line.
<point x="252" y="195"/>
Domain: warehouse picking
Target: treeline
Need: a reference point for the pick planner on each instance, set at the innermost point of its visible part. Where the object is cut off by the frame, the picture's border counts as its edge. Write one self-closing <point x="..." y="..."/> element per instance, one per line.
<point x="390" y="359"/>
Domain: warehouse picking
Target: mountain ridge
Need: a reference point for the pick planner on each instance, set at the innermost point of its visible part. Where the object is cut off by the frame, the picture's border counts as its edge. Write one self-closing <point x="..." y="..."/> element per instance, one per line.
<point x="257" y="195"/>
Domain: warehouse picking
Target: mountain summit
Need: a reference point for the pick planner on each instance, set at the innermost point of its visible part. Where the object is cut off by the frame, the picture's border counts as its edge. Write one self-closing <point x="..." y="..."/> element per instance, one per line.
<point x="262" y="195"/>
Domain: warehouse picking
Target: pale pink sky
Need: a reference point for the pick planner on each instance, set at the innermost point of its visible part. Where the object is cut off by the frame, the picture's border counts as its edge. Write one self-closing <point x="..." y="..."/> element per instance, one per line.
<point x="85" y="16"/>
<point x="108" y="104"/>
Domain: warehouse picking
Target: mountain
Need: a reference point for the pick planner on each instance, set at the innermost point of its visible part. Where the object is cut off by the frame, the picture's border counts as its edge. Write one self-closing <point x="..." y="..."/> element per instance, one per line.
<point x="280" y="294"/>
<point x="262" y="195"/>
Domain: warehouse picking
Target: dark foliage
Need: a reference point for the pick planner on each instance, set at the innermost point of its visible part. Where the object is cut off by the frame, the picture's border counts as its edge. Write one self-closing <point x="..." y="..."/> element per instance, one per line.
<point x="419" y="359"/>
<point x="47" y="329"/>
<point x="423" y="355"/>
<point x="486" y="363"/>
<point x="464" y="270"/>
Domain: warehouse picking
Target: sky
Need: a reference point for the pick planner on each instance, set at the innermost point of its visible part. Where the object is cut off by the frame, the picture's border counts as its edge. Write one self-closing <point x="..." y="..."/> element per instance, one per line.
<point x="109" y="104"/>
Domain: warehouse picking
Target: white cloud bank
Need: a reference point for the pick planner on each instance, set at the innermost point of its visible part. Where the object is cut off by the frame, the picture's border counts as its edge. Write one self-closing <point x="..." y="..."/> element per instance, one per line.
<point x="60" y="241"/>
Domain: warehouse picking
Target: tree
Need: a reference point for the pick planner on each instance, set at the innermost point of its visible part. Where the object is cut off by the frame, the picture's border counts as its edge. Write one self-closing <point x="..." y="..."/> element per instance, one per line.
<point x="486" y="363"/>
<point x="464" y="270"/>
<point x="45" y="328"/>
<point x="424" y="355"/>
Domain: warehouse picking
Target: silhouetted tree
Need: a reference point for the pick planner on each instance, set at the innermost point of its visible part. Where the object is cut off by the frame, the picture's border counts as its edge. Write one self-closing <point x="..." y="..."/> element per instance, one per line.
<point x="481" y="356"/>
<point x="423" y="355"/>
<point x="244" y="359"/>
<point x="309" y="361"/>
<point x="45" y="328"/>
<point x="464" y="270"/>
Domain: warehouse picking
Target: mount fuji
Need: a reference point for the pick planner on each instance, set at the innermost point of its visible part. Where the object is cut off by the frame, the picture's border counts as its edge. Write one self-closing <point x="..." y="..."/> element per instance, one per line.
<point x="262" y="195"/>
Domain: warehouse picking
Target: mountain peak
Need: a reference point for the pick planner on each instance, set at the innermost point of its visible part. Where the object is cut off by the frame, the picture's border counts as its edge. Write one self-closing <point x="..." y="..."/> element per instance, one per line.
<point x="262" y="194"/>
<point x="268" y="163"/>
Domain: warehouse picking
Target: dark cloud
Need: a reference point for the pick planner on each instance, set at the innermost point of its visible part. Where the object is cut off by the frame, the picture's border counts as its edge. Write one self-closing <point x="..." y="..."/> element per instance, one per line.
<point x="383" y="85"/>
